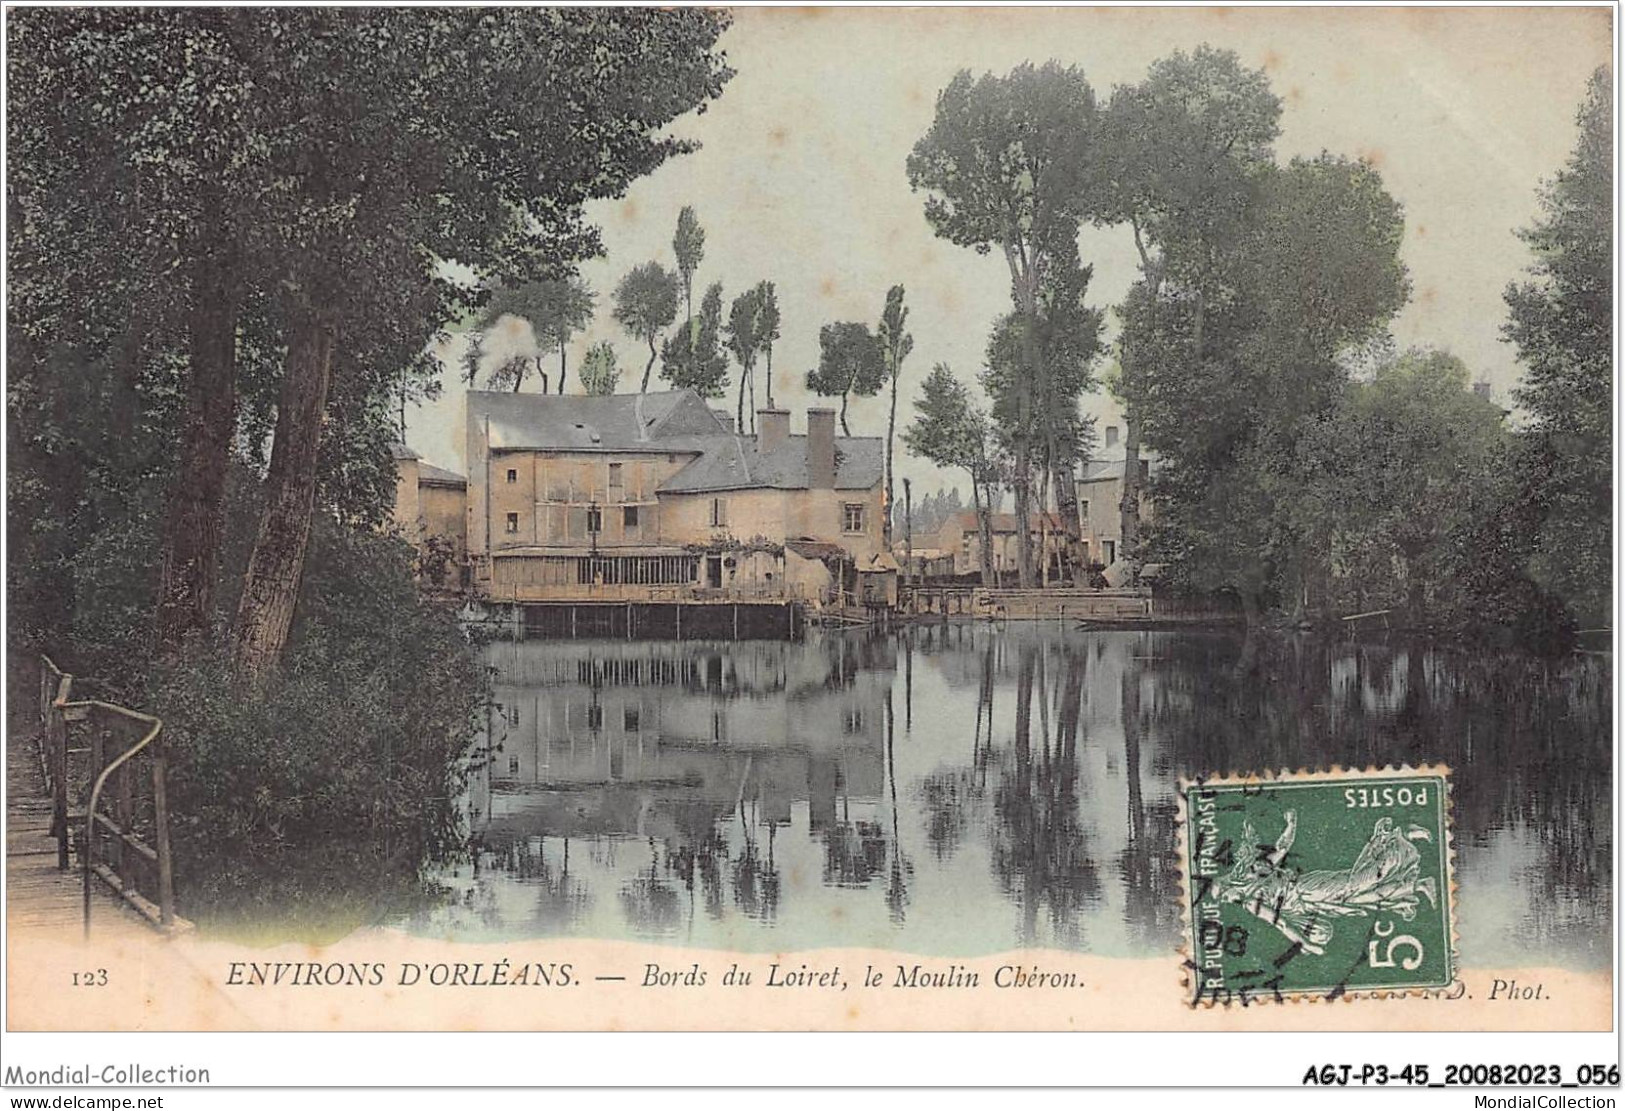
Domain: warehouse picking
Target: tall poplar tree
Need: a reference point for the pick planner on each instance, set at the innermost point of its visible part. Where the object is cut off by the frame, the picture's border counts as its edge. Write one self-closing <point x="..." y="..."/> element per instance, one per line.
<point x="1006" y="164"/>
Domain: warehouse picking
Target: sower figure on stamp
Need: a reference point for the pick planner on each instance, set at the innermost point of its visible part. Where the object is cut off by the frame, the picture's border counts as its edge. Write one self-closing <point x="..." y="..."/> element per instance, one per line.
<point x="1384" y="878"/>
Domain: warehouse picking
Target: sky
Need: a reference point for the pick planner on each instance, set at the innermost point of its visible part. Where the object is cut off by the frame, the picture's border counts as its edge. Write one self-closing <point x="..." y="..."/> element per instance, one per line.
<point x="800" y="177"/>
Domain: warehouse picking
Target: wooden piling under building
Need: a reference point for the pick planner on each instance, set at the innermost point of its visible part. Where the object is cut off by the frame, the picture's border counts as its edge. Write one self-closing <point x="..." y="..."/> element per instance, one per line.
<point x="664" y="620"/>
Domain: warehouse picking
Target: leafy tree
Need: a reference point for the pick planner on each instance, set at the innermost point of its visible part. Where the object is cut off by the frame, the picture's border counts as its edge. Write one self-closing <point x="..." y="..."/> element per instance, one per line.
<point x="693" y="359"/>
<point x="1180" y="153"/>
<point x="126" y="244"/>
<point x="1561" y="322"/>
<point x="1066" y="344"/>
<point x="361" y="211"/>
<point x="1230" y="377"/>
<point x="645" y="305"/>
<point x="767" y="327"/>
<point x="599" y="370"/>
<point x="895" y="345"/>
<point x="688" y="244"/>
<point x="1006" y="161"/>
<point x="313" y="171"/>
<point x="745" y="341"/>
<point x="850" y="361"/>
<point x="555" y="310"/>
<point x="1389" y="478"/>
<point x="950" y="431"/>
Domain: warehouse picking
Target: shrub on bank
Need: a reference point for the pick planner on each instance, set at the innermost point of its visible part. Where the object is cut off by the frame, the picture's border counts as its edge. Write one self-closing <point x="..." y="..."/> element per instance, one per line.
<point x="315" y="802"/>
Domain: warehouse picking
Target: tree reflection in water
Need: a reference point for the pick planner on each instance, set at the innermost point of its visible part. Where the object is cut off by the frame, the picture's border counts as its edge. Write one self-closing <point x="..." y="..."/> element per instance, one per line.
<point x="774" y="795"/>
<point x="1039" y="844"/>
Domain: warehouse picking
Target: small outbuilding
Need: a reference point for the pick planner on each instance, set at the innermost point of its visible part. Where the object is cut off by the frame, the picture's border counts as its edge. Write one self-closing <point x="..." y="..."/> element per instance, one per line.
<point x="877" y="581"/>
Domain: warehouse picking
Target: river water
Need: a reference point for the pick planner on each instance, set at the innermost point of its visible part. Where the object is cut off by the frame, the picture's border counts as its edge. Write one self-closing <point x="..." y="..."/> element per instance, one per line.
<point x="959" y="790"/>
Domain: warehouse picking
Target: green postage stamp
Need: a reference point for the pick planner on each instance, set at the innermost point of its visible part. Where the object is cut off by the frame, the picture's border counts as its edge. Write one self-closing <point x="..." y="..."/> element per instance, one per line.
<point x="1317" y="885"/>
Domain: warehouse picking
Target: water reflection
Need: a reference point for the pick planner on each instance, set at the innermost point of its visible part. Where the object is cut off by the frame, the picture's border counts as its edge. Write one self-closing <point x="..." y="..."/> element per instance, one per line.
<point x="954" y="790"/>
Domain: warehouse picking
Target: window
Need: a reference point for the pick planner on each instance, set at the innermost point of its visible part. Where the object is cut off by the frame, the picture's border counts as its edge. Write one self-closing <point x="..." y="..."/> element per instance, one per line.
<point x="719" y="512"/>
<point x="513" y="765"/>
<point x="513" y="522"/>
<point x="595" y="519"/>
<point x="595" y="717"/>
<point x="852" y="517"/>
<point x="513" y="475"/>
<point x="852" y="720"/>
<point x="615" y="476"/>
<point x="1083" y="508"/>
<point x="629" y="517"/>
<point x="1111" y="551"/>
<point x="630" y="719"/>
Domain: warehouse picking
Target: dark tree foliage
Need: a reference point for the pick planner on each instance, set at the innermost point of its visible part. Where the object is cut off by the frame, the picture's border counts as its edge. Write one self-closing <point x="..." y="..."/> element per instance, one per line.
<point x="1561" y="322"/>
<point x="312" y="168"/>
<point x="230" y="231"/>
<point x="950" y="431"/>
<point x="1232" y="371"/>
<point x="555" y="310"/>
<point x="1007" y="164"/>
<point x="895" y="344"/>
<point x="850" y="361"/>
<point x="693" y="358"/>
<point x="645" y="305"/>
<point x="1181" y="152"/>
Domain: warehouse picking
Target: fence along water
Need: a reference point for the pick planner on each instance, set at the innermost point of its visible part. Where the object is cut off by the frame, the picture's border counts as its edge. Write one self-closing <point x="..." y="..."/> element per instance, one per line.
<point x="108" y="775"/>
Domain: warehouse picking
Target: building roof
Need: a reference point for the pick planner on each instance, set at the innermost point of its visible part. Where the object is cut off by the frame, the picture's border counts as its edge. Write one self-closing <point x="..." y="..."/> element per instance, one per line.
<point x="808" y="548"/>
<point x="401" y="452"/>
<point x="431" y="475"/>
<point x="731" y="462"/>
<point x="620" y="422"/>
<point x="675" y="422"/>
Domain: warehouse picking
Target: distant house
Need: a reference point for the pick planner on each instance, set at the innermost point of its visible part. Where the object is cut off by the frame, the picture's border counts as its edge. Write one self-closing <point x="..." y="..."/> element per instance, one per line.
<point x="960" y="538"/>
<point x="1100" y="498"/>
<point x="431" y="512"/>
<point x="655" y="496"/>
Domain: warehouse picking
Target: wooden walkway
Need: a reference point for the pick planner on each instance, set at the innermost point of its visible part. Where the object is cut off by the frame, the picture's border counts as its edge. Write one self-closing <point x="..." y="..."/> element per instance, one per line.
<point x="38" y="895"/>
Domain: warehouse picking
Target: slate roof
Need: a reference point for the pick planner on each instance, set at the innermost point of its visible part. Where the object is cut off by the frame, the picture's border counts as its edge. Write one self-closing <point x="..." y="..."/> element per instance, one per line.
<point x="678" y="422"/>
<point x="735" y="463"/>
<point x="621" y="422"/>
<point x="431" y="475"/>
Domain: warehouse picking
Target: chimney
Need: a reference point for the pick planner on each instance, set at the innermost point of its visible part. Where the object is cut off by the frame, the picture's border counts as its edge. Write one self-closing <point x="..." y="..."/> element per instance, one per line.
<point x="820" y="449"/>
<point x="724" y="419"/>
<point x="1111" y="435"/>
<point x="773" y="429"/>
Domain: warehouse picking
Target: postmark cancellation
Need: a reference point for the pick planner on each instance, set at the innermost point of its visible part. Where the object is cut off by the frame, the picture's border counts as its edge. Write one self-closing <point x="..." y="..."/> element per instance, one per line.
<point x="1321" y="885"/>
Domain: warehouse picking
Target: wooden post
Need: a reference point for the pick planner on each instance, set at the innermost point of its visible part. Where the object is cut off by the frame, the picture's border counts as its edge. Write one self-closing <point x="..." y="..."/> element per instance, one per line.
<point x="160" y="832"/>
<point x="679" y="621"/>
<point x="572" y="623"/>
<point x="124" y="804"/>
<point x="57" y="739"/>
<point x="908" y="531"/>
<point x="736" y="620"/>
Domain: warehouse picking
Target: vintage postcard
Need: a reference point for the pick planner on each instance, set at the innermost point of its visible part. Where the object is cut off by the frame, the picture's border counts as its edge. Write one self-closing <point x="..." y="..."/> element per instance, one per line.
<point x="822" y="519"/>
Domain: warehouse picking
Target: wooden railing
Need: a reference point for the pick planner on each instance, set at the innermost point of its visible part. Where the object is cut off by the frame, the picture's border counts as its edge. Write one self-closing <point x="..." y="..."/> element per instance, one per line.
<point x="109" y="784"/>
